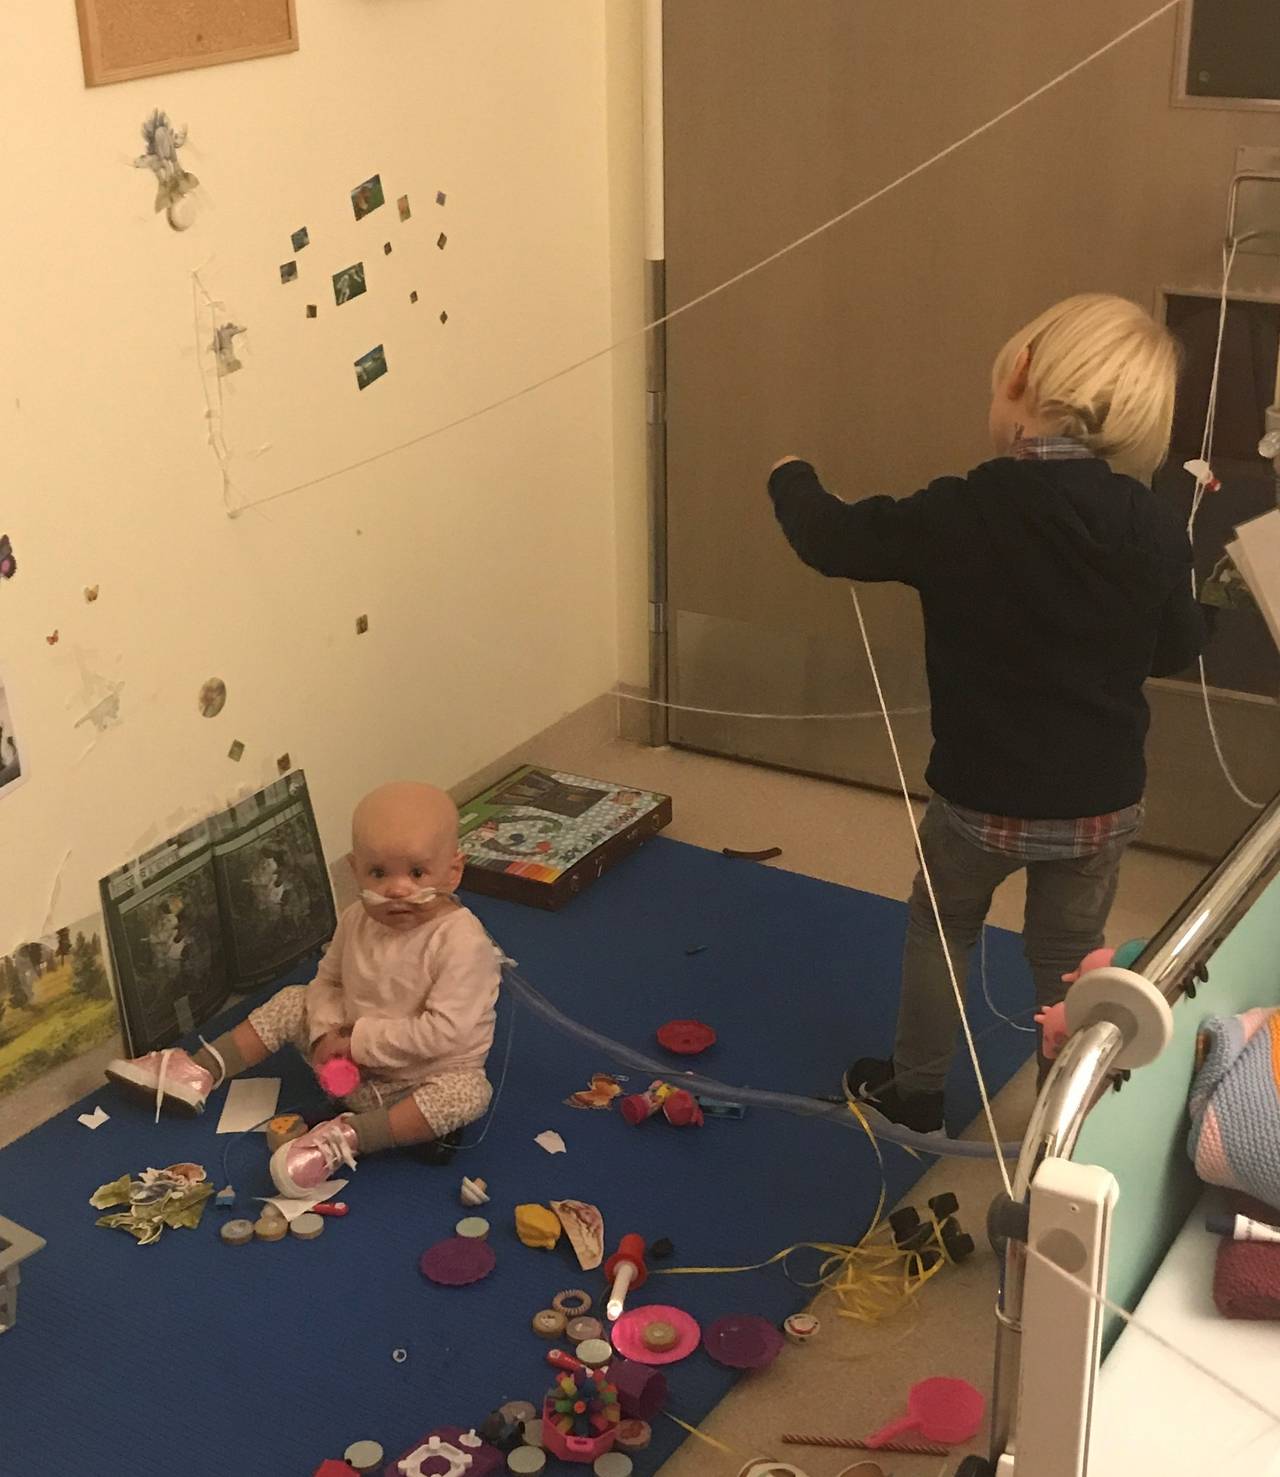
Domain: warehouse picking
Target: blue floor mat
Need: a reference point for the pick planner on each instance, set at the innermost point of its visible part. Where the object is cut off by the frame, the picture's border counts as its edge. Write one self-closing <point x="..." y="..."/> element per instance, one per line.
<point x="196" y="1357"/>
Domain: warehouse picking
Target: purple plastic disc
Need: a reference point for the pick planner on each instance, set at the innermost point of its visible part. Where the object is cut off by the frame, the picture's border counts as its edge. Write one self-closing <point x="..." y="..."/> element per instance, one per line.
<point x="458" y="1261"/>
<point x="743" y="1342"/>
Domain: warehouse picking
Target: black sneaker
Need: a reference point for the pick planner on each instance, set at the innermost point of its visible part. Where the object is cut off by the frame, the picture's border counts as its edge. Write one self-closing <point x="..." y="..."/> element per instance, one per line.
<point x="870" y="1080"/>
<point x="868" y="1076"/>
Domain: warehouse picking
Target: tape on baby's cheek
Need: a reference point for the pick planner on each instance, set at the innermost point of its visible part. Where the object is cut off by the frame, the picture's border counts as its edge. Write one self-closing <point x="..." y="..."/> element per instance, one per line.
<point x="419" y="899"/>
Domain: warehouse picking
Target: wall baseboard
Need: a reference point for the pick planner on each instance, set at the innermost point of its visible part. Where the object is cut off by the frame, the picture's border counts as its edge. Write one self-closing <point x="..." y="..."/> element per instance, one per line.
<point x="634" y="719"/>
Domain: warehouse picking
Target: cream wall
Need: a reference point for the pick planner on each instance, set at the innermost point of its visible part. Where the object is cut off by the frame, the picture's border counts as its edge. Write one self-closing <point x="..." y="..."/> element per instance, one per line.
<point x="624" y="31"/>
<point x="487" y="558"/>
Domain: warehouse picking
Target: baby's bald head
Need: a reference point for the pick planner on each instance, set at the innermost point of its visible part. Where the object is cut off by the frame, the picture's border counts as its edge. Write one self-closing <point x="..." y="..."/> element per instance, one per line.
<point x="406" y="812"/>
<point x="404" y="839"/>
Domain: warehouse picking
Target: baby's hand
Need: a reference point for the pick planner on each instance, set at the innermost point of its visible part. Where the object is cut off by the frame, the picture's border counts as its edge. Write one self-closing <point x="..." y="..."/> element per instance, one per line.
<point x="331" y="1044"/>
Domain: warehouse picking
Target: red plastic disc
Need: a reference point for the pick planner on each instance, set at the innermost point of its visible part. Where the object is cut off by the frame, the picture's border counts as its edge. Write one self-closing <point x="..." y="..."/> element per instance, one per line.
<point x="686" y="1038"/>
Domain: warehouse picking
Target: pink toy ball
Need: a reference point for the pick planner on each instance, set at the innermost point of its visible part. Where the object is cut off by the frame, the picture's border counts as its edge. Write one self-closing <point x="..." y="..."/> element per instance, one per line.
<point x="339" y="1076"/>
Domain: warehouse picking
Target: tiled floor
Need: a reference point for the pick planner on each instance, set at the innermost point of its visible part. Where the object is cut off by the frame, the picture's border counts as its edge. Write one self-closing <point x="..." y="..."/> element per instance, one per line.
<point x="853" y="1376"/>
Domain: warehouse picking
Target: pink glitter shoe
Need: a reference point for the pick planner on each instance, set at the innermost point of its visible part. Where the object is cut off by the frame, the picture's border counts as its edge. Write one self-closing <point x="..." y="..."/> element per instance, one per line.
<point x="304" y="1165"/>
<point x="170" y="1079"/>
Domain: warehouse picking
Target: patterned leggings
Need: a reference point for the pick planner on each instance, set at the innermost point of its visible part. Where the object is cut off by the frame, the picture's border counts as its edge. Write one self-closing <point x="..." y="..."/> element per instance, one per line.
<point x="447" y="1102"/>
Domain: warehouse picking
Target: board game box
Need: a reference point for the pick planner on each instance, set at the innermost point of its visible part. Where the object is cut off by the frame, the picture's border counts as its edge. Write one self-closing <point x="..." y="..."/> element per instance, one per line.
<point x="540" y="837"/>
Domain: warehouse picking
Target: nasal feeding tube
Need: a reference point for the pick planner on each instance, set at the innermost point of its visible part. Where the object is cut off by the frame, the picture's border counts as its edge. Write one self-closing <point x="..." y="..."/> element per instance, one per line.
<point x="419" y="899"/>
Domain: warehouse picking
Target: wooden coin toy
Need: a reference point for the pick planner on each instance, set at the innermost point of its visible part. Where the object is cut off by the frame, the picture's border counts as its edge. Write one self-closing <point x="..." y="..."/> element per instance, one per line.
<point x="595" y="1353"/>
<point x="363" y="1457"/>
<point x="633" y="1435"/>
<point x="550" y="1323"/>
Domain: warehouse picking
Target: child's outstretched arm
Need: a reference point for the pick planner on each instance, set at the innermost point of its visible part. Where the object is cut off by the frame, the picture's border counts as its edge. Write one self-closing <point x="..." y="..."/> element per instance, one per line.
<point x="879" y="538"/>
<point x="456" y="1018"/>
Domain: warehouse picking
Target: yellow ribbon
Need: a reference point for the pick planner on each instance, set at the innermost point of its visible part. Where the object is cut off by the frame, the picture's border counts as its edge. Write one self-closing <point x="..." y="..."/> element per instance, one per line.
<point x="872" y="1279"/>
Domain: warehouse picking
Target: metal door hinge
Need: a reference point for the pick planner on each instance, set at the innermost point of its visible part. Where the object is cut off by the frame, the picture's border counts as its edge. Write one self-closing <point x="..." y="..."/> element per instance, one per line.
<point x="655" y="407"/>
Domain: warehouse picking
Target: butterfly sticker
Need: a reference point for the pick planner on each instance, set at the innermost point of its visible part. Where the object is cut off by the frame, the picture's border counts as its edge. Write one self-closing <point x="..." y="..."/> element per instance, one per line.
<point x="599" y="1095"/>
<point x="8" y="564"/>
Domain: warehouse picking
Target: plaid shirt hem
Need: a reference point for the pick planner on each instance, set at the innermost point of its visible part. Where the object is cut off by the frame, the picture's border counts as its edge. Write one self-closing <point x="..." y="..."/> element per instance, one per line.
<point x="1050" y="449"/>
<point x="1044" y="841"/>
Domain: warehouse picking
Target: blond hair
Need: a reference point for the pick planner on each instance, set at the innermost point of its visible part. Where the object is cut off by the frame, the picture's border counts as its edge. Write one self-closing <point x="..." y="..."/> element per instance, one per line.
<point x="1104" y="372"/>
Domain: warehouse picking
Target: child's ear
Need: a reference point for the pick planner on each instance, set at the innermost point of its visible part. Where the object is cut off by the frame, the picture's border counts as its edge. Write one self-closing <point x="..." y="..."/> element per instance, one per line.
<point x="1015" y="386"/>
<point x="351" y="862"/>
<point x="455" y="871"/>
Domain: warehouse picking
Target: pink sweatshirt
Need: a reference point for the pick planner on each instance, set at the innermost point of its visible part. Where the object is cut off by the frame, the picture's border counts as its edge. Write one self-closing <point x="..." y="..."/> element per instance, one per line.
<point x="421" y="1002"/>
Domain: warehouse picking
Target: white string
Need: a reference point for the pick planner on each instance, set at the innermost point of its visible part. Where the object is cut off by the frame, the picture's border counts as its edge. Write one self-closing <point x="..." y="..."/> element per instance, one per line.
<point x="986" y="992"/>
<point x="933" y="899"/>
<point x="655" y="702"/>
<point x="1206" y="456"/>
<point x="1272" y="1414"/>
<point x="729" y="282"/>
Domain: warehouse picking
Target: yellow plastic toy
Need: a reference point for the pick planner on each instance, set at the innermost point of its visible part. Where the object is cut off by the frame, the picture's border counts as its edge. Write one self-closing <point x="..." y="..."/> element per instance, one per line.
<point x="537" y="1226"/>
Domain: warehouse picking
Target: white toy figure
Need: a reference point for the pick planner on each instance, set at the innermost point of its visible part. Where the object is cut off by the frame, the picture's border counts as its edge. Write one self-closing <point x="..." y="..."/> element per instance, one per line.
<point x="173" y="183"/>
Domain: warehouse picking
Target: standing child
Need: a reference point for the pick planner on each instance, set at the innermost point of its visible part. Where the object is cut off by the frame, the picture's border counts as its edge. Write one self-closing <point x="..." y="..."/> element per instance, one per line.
<point x="1053" y="584"/>
<point x="407" y="990"/>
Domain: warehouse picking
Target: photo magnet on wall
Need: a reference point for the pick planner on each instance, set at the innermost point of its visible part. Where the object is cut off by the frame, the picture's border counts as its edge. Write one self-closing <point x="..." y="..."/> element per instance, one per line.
<point x="371" y="366"/>
<point x="349" y="283"/>
<point x="12" y="766"/>
<point x="367" y="197"/>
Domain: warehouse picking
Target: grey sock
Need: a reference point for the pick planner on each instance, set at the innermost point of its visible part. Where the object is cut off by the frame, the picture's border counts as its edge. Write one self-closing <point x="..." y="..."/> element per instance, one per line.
<point x="373" y="1130"/>
<point x="232" y="1063"/>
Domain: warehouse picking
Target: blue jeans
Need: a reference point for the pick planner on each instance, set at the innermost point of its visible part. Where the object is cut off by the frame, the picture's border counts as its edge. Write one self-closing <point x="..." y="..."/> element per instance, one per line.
<point x="1067" y="906"/>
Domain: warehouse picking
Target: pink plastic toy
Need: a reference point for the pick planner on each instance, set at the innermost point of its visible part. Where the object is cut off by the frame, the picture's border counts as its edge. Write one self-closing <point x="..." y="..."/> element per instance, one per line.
<point x="946" y="1411"/>
<point x="1052" y="1021"/>
<point x="1099" y="959"/>
<point x="628" y="1334"/>
<point x="339" y="1076"/>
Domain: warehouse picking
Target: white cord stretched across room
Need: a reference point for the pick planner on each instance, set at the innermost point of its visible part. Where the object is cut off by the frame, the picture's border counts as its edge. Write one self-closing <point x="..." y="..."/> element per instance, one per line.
<point x="657" y="702"/>
<point x="1229" y="250"/>
<point x="986" y="990"/>
<point x="933" y="898"/>
<point x="729" y="282"/>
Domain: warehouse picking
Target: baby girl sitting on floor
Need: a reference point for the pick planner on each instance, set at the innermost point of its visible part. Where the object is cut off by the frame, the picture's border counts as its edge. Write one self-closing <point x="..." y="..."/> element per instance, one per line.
<point x="407" y="990"/>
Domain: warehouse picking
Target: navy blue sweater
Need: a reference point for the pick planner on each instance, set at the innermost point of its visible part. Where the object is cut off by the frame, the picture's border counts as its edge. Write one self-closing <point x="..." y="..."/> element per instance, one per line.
<point x="1051" y="591"/>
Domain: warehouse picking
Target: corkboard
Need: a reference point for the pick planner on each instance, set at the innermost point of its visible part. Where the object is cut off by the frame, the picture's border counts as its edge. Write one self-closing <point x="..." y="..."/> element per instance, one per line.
<point x="122" y="39"/>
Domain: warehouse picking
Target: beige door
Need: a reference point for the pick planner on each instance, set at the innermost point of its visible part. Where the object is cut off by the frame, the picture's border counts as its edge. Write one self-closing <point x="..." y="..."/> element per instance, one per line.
<point x="869" y="349"/>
